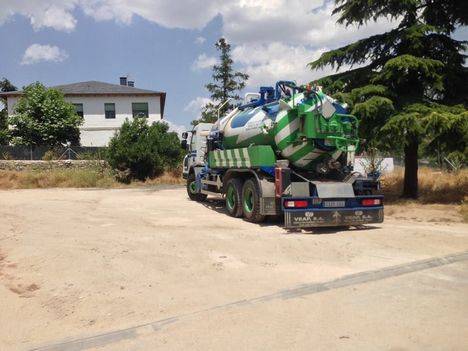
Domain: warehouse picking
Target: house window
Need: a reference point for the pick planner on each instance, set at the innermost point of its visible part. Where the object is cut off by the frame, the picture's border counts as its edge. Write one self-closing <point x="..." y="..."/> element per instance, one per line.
<point x="140" y="109"/>
<point x="79" y="109"/>
<point x="109" y="109"/>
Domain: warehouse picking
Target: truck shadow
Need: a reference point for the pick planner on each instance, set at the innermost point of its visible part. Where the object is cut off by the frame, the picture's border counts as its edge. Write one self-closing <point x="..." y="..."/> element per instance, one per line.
<point x="218" y="205"/>
<point x="330" y="230"/>
<point x="215" y="204"/>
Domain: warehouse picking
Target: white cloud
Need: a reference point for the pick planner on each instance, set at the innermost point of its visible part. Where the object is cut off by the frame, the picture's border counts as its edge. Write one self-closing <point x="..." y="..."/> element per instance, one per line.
<point x="41" y="13"/>
<point x="293" y="22"/>
<point x="194" y="106"/>
<point x="40" y="53"/>
<point x="200" y="40"/>
<point x="266" y="64"/>
<point x="244" y="21"/>
<point x="271" y="39"/>
<point x="204" y="61"/>
<point x="55" y="17"/>
<point x="58" y="14"/>
<point x="187" y="14"/>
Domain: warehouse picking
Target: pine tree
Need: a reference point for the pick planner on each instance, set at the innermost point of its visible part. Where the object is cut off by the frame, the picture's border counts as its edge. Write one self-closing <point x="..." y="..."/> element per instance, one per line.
<point x="410" y="77"/>
<point x="226" y="84"/>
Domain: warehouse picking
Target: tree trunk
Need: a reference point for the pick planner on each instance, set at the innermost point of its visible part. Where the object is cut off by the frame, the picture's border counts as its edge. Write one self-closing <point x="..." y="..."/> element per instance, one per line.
<point x="410" y="182"/>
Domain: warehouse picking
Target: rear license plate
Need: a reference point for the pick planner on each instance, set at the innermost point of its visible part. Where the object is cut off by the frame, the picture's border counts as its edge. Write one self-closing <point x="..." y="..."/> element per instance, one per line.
<point x="333" y="204"/>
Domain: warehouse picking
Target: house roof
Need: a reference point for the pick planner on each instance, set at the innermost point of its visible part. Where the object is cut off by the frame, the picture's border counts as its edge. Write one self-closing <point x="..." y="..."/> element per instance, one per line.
<point x="91" y="88"/>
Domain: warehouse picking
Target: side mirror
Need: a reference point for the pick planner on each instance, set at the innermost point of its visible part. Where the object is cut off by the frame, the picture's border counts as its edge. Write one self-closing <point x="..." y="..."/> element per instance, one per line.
<point x="183" y="144"/>
<point x="184" y="135"/>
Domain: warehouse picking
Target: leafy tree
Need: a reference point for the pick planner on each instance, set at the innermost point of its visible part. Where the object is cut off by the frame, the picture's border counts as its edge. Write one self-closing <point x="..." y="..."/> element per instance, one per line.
<point x="140" y="151"/>
<point x="410" y="76"/>
<point x="5" y="85"/>
<point x="226" y="84"/>
<point x="43" y="117"/>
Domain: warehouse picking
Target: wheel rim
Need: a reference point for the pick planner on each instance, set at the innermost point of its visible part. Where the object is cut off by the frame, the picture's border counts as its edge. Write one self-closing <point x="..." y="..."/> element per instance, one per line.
<point x="230" y="197"/>
<point x="248" y="200"/>
<point x="193" y="187"/>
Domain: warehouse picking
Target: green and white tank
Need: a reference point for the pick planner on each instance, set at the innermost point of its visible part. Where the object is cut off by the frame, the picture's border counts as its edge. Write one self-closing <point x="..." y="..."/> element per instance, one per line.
<point x="304" y="129"/>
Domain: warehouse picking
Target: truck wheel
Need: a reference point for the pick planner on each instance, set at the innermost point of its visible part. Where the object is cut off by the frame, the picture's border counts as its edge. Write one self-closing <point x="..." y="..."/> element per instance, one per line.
<point x="192" y="189"/>
<point x="234" y="197"/>
<point x="251" y="202"/>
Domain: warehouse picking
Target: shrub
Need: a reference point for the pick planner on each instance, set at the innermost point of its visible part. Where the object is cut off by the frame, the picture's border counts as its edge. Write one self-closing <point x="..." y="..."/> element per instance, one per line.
<point x="6" y="156"/>
<point x="140" y="151"/>
<point x="4" y="135"/>
<point x="49" y="155"/>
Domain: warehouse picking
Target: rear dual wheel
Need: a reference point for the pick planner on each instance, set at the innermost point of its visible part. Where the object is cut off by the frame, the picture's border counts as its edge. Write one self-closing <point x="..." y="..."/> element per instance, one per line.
<point x="234" y="197"/>
<point x="251" y="201"/>
<point x="243" y="199"/>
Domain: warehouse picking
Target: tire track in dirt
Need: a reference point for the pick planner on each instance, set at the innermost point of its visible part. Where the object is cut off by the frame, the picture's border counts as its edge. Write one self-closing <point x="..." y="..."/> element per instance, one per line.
<point x="13" y="283"/>
<point x="104" y="339"/>
<point x="7" y="276"/>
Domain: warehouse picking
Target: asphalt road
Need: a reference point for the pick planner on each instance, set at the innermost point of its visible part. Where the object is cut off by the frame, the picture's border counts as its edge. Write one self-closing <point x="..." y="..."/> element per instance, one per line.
<point x="146" y="269"/>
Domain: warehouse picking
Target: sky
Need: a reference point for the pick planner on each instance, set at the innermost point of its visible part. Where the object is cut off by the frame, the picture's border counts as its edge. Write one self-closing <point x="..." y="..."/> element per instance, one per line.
<point x="168" y="45"/>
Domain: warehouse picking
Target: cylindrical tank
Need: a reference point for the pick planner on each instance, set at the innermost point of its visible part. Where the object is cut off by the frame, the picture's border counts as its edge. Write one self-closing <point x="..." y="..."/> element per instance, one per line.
<point x="282" y="125"/>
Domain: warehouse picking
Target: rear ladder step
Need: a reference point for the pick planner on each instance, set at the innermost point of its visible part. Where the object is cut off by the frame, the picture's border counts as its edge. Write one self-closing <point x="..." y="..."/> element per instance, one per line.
<point x="207" y="192"/>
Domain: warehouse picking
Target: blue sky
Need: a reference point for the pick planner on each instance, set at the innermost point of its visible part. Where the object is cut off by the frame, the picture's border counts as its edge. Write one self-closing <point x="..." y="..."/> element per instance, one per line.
<point x="167" y="45"/>
<point x="155" y="57"/>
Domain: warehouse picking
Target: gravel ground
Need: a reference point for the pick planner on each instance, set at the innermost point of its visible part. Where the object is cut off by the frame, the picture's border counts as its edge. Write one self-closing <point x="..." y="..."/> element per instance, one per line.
<point x="147" y="269"/>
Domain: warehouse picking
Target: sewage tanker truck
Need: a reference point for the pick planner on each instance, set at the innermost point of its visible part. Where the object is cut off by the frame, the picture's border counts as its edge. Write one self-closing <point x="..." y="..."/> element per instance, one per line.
<point x="289" y="151"/>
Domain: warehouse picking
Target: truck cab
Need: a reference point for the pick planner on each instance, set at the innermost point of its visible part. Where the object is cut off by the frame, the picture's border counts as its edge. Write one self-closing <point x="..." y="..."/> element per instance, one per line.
<point x="194" y="142"/>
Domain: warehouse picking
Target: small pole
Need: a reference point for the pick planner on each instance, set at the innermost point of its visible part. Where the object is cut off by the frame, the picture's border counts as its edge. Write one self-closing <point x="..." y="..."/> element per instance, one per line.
<point x="220" y="107"/>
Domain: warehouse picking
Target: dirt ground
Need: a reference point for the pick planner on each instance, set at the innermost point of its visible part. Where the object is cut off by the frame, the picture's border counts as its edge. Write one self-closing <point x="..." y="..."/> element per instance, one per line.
<point x="147" y="269"/>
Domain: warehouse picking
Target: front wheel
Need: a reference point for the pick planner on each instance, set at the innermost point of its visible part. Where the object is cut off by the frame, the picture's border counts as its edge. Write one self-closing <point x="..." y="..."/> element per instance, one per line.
<point x="192" y="189"/>
<point x="251" y="202"/>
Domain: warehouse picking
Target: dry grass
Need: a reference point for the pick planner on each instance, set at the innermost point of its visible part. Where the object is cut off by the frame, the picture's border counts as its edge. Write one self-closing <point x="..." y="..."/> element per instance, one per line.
<point x="74" y="178"/>
<point x="56" y="178"/>
<point x="434" y="186"/>
<point x="429" y="213"/>
<point x="167" y="178"/>
<point x="464" y="211"/>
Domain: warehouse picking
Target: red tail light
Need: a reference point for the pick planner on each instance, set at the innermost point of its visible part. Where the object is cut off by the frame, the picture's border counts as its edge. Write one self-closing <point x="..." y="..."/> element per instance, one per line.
<point x="371" y="202"/>
<point x="278" y="182"/>
<point x="295" y="203"/>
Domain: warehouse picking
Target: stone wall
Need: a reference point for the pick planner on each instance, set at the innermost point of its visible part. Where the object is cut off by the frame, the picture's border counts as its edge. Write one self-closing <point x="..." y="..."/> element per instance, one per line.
<point x="22" y="165"/>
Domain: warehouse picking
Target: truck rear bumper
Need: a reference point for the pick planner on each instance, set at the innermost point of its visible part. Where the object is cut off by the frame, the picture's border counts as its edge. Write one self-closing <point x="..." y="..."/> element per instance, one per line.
<point x="332" y="217"/>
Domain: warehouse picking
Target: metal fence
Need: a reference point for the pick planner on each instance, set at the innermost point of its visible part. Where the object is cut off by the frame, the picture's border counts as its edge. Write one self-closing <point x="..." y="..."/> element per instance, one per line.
<point x="9" y="152"/>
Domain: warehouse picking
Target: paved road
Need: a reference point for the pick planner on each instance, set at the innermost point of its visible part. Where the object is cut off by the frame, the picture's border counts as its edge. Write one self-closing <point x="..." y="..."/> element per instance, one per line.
<point x="146" y="269"/>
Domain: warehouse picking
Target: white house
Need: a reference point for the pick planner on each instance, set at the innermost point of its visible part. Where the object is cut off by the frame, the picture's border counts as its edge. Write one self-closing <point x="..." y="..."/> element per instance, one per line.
<point x="105" y="106"/>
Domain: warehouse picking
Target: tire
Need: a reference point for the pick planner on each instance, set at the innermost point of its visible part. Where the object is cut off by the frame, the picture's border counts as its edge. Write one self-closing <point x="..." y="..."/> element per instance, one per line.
<point x="251" y="202"/>
<point x="192" y="191"/>
<point x="234" y="197"/>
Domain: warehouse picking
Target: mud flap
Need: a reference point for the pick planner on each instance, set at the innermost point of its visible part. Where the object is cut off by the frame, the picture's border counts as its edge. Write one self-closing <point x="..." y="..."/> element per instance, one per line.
<point x="331" y="218"/>
<point x="269" y="206"/>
